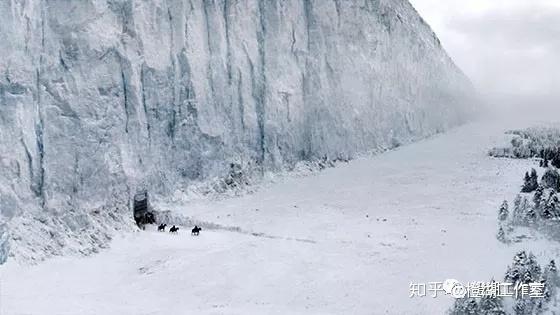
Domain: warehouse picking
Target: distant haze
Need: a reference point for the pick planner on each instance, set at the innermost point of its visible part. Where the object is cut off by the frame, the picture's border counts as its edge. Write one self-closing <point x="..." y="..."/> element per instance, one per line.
<point x="509" y="48"/>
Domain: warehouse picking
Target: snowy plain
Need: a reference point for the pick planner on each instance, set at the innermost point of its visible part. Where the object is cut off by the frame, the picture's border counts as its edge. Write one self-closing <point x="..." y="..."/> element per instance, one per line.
<point x="347" y="240"/>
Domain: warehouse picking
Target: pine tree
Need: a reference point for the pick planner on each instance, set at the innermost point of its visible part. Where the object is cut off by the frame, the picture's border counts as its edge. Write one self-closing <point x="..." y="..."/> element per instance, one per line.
<point x="540" y="305"/>
<point x="547" y="212"/>
<point x="552" y="266"/>
<point x="519" y="215"/>
<point x="501" y="235"/>
<point x="551" y="179"/>
<point x="516" y="214"/>
<point x="523" y="307"/>
<point x="553" y="201"/>
<point x="491" y="306"/>
<point x="533" y="268"/>
<point x="520" y="258"/>
<point x="527" y="277"/>
<point x="525" y="205"/>
<point x="537" y="197"/>
<point x="549" y="206"/>
<point x="530" y="182"/>
<point x="512" y="274"/>
<point x="517" y="201"/>
<point x="465" y="306"/>
<point x="524" y="269"/>
<point x="519" y="209"/>
<point x="549" y="288"/>
<point x="509" y="276"/>
<point x="526" y="188"/>
<point x="530" y="216"/>
<point x="550" y="274"/>
<point x="503" y="212"/>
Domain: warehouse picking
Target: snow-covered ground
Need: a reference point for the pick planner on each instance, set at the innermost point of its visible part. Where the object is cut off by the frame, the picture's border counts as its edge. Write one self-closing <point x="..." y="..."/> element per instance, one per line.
<point x="348" y="240"/>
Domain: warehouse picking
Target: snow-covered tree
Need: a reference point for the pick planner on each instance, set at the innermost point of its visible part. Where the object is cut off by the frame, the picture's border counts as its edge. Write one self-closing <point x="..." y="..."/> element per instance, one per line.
<point x="551" y="179"/>
<point x="527" y="187"/>
<point x="520" y="258"/>
<point x="524" y="269"/>
<point x="503" y="212"/>
<point x="489" y="305"/>
<point x="517" y="202"/>
<point x="501" y="235"/>
<point x="513" y="274"/>
<point x="550" y="274"/>
<point x="531" y="182"/>
<point x="533" y="267"/>
<point x="548" y="206"/>
<point x="526" y="180"/>
<point x="540" y="305"/>
<point x="519" y="210"/>
<point x="530" y="216"/>
<point x="465" y="306"/>
<point x="537" y="197"/>
<point x="524" y="307"/>
<point x="551" y="267"/>
<point x="525" y="205"/>
<point x="483" y="306"/>
<point x="549" y="289"/>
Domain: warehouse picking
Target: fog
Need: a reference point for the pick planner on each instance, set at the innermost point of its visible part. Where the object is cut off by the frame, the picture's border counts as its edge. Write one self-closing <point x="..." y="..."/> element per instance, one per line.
<point x="508" y="48"/>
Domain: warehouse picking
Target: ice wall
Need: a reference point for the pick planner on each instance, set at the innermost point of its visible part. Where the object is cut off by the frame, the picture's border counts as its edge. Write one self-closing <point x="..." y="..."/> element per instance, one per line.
<point x="98" y="97"/>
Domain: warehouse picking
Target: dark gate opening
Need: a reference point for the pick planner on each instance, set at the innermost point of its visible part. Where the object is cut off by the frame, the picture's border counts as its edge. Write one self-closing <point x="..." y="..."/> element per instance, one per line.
<point x="142" y="213"/>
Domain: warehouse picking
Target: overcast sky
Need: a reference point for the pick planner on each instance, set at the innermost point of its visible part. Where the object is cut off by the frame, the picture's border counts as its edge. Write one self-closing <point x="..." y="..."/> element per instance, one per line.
<point x="506" y="47"/>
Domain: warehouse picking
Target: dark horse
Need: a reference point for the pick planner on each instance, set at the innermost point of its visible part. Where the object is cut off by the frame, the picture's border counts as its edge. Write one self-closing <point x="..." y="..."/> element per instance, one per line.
<point x="173" y="229"/>
<point x="161" y="227"/>
<point x="196" y="230"/>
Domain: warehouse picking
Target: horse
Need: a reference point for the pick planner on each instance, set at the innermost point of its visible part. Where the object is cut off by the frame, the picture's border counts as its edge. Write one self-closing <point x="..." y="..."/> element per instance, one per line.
<point x="161" y="227"/>
<point x="196" y="230"/>
<point x="173" y="229"/>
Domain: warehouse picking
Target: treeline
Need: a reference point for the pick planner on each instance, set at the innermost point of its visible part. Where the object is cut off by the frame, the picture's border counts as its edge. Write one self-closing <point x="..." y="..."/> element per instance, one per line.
<point x="524" y="271"/>
<point x="538" y="205"/>
<point x="541" y="143"/>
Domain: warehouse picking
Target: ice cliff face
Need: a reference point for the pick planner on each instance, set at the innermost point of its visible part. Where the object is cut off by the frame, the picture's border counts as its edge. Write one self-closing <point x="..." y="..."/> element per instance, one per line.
<point x="99" y="97"/>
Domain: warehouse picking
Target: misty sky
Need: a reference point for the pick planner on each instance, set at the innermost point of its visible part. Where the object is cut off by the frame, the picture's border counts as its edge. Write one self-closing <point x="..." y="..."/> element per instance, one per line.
<point x="506" y="47"/>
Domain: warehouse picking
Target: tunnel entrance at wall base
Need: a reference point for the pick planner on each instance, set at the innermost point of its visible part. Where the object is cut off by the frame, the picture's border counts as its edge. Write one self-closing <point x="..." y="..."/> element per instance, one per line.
<point x="142" y="213"/>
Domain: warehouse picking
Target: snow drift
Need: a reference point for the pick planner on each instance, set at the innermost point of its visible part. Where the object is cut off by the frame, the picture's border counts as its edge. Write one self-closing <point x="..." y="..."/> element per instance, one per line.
<point x="100" y="97"/>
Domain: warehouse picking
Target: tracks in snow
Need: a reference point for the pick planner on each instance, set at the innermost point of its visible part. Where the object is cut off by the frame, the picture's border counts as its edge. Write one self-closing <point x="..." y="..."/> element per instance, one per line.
<point x="169" y="217"/>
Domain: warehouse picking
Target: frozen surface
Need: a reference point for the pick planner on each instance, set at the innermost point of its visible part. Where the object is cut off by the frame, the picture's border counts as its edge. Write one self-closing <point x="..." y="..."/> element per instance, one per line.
<point x="101" y="97"/>
<point x="319" y="247"/>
